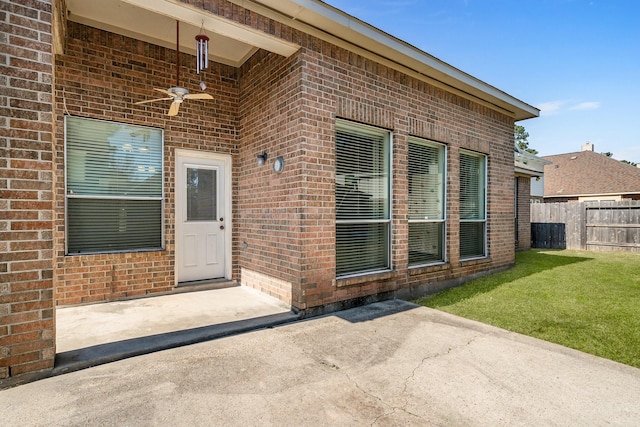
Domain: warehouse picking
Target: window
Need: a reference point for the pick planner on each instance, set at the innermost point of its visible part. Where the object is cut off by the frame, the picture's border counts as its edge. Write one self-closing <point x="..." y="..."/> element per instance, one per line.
<point x="363" y="219"/>
<point x="113" y="186"/>
<point x="473" y="218"/>
<point x="426" y="202"/>
<point x="202" y="194"/>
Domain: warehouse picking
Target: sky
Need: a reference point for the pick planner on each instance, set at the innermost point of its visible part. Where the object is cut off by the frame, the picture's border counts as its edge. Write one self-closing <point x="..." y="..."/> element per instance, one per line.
<point x="578" y="61"/>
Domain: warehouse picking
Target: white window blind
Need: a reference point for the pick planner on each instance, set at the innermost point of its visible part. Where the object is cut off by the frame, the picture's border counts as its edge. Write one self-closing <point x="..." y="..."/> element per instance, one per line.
<point x="472" y="205"/>
<point x="113" y="186"/>
<point x="362" y="199"/>
<point x="426" y="202"/>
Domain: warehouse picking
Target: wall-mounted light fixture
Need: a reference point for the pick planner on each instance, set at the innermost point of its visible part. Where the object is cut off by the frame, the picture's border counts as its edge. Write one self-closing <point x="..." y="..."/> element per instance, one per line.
<point x="262" y="158"/>
<point x="278" y="165"/>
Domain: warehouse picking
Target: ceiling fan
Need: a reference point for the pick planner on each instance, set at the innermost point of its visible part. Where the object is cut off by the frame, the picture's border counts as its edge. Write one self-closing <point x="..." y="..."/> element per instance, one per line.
<point x="177" y="93"/>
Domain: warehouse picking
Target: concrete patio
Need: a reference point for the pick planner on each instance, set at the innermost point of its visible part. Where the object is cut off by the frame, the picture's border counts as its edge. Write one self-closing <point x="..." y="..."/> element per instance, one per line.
<point x="386" y="364"/>
<point x="94" y="334"/>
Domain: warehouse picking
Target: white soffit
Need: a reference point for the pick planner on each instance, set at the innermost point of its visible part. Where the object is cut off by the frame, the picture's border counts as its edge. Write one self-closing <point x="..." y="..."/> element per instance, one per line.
<point x="218" y="25"/>
<point x="154" y="21"/>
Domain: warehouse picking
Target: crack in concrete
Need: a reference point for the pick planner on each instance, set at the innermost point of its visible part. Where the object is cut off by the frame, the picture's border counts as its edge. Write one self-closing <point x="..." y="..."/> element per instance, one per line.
<point x="422" y="362"/>
<point x="435" y="356"/>
<point x="394" y="408"/>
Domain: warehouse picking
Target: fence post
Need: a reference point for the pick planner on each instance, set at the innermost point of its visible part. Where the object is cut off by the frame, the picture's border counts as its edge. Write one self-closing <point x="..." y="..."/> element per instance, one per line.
<point x="583" y="226"/>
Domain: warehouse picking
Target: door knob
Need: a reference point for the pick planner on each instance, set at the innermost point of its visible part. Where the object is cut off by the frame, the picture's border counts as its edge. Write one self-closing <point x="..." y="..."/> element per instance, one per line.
<point x="222" y="227"/>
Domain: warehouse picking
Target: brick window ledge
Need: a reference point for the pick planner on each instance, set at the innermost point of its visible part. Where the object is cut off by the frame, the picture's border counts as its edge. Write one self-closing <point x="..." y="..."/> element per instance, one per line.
<point x="367" y="278"/>
<point x="431" y="268"/>
<point x="476" y="261"/>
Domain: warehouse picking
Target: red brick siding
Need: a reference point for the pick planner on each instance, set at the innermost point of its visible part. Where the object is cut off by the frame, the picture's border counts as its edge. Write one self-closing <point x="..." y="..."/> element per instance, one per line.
<point x="289" y="107"/>
<point x="337" y="83"/>
<point x="284" y="224"/>
<point x="26" y="286"/>
<point x="100" y="76"/>
<point x="270" y="205"/>
<point x="524" y="212"/>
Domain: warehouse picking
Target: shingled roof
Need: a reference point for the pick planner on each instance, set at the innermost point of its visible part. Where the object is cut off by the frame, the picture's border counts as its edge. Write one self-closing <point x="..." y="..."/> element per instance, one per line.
<point x="587" y="173"/>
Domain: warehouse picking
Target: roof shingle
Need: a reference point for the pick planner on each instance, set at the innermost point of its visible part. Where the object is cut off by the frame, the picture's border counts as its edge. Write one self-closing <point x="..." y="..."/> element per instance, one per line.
<point x="588" y="173"/>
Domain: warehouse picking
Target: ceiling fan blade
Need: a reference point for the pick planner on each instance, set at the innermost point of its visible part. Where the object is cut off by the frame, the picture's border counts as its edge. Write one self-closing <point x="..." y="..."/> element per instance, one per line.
<point x="198" y="96"/>
<point x="166" y="92"/>
<point x="173" y="110"/>
<point x="152" y="100"/>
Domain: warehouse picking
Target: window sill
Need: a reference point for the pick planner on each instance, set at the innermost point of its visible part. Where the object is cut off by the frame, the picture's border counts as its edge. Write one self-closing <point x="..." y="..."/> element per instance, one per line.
<point x="421" y="269"/>
<point x="366" y="278"/>
<point x="476" y="261"/>
<point x="115" y="253"/>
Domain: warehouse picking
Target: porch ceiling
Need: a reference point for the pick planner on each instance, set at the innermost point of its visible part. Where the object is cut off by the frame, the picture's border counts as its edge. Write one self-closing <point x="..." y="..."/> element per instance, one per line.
<point x="154" y="21"/>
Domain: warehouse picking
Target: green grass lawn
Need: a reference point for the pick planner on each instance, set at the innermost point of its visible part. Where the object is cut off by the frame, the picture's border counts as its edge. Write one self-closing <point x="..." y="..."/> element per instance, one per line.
<point x="589" y="301"/>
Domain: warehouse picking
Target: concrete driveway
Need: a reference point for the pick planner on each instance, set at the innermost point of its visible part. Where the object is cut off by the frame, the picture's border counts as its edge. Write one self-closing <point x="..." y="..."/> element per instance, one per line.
<point x="385" y="364"/>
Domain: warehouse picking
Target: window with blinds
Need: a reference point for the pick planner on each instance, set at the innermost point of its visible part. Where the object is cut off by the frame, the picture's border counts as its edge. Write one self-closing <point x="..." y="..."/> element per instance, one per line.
<point x="473" y="218"/>
<point x="427" y="168"/>
<point x="363" y="216"/>
<point x="114" y="193"/>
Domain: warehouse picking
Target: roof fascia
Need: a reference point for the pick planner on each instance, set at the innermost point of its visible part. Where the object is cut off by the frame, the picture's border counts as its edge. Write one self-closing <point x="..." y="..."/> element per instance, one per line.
<point x="528" y="172"/>
<point x="533" y="158"/>
<point x="626" y="193"/>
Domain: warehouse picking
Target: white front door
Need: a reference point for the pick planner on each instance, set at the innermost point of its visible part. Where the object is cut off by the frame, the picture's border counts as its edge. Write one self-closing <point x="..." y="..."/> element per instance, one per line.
<point x="201" y="226"/>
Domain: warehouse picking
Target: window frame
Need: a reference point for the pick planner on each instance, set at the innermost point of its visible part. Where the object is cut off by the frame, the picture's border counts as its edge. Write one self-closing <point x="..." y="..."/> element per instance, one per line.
<point x="484" y="186"/>
<point x="69" y="195"/>
<point x="360" y="128"/>
<point x="443" y="221"/>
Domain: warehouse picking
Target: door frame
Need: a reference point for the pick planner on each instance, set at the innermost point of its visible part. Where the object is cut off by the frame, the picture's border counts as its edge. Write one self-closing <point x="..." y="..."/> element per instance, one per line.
<point x="195" y="155"/>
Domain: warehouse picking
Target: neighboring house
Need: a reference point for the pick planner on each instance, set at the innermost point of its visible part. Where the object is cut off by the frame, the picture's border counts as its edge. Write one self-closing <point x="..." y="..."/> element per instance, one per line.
<point x="334" y="164"/>
<point x="589" y="176"/>
<point x="529" y="172"/>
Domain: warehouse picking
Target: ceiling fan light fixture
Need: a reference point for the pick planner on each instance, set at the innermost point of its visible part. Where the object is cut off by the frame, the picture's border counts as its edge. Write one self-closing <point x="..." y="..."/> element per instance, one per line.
<point x="177" y="93"/>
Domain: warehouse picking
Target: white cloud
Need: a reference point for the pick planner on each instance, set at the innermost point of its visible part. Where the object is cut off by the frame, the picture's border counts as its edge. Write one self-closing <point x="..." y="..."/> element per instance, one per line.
<point x="551" y="107"/>
<point x="586" y="106"/>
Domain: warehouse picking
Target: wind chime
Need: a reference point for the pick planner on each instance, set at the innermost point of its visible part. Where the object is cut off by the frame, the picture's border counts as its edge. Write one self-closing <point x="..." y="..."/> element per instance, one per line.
<point x="202" y="51"/>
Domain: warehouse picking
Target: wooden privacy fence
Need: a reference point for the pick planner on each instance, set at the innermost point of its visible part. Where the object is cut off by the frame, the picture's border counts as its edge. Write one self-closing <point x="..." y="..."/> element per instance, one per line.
<point x="598" y="226"/>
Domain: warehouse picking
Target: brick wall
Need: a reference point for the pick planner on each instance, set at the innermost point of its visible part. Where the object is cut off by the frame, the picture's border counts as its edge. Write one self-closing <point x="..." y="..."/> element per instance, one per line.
<point x="524" y="212"/>
<point x="337" y="83"/>
<point x="26" y="288"/>
<point x="284" y="224"/>
<point x="269" y="204"/>
<point x="289" y="107"/>
<point x="100" y="76"/>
